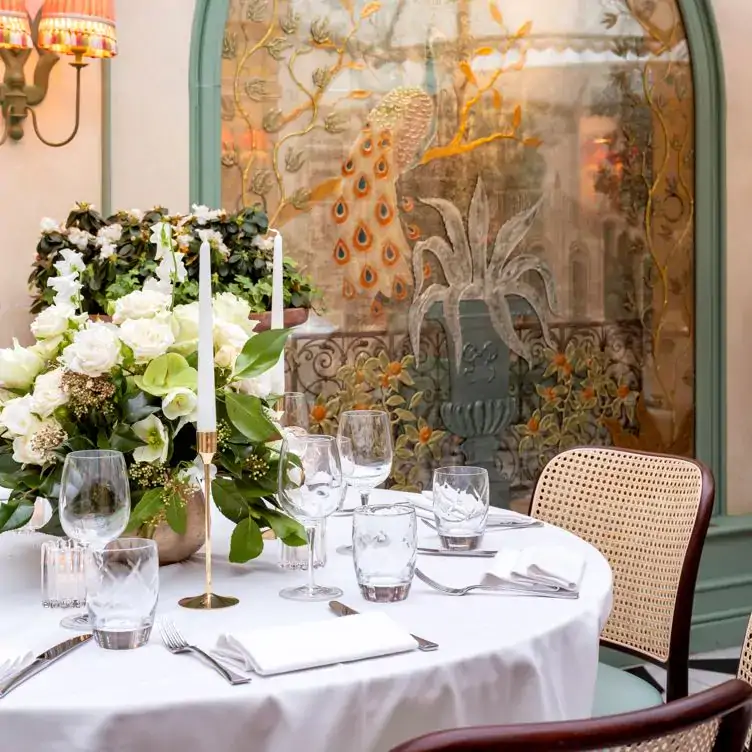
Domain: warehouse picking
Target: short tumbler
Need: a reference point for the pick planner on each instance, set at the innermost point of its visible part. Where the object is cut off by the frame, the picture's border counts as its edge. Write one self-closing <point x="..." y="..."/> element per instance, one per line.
<point x="123" y="586"/>
<point x="460" y="506"/>
<point x="385" y="541"/>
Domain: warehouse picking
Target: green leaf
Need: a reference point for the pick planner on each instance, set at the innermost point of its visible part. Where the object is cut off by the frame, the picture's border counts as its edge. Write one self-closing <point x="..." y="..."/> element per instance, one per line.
<point x="53" y="526"/>
<point x="260" y="353"/>
<point x="167" y="372"/>
<point x="138" y="407"/>
<point x="123" y="439"/>
<point x="288" y="530"/>
<point x="177" y="514"/>
<point x="148" y="507"/>
<point x="15" y="514"/>
<point x="229" y="500"/>
<point x="395" y="400"/>
<point x="405" y="415"/>
<point x="9" y="470"/>
<point x="246" y="413"/>
<point x="246" y="542"/>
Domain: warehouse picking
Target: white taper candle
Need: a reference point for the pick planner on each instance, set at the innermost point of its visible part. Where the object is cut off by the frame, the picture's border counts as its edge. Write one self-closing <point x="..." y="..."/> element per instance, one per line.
<point x="278" y="308"/>
<point x="207" y="398"/>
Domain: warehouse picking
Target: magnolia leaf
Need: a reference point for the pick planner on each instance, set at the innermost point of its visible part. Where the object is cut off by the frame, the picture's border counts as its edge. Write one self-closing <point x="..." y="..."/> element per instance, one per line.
<point x="246" y="412"/>
<point x="177" y="514"/>
<point x="497" y="99"/>
<point x="260" y="353"/>
<point x="288" y="530"/>
<point x="123" y="439"/>
<point x="148" y="507"/>
<point x="165" y="373"/>
<point x="229" y="499"/>
<point x="246" y="542"/>
<point x="15" y="513"/>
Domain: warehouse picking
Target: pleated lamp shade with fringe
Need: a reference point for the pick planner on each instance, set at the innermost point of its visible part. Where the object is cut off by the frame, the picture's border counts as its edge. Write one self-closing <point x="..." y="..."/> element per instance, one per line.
<point x="15" y="31"/>
<point x="84" y="28"/>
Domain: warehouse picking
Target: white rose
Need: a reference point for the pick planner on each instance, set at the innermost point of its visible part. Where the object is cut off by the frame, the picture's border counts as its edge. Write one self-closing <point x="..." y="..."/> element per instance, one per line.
<point x="94" y="351"/>
<point x="19" y="367"/>
<point x="260" y="386"/>
<point x="48" y="393"/>
<point x="51" y="322"/>
<point x="229" y="340"/>
<point x="17" y="416"/>
<point x="140" y="304"/>
<point x="179" y="403"/>
<point x="24" y="453"/>
<point x="185" y="324"/>
<point x="231" y="308"/>
<point x="48" y="349"/>
<point x="148" y="338"/>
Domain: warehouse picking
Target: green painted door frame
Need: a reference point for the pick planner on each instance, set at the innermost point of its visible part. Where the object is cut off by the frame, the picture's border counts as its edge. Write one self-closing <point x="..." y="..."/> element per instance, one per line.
<point x="710" y="368"/>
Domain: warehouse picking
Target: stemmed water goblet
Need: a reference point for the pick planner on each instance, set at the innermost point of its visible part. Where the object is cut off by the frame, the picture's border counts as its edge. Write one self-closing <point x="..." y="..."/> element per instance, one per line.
<point x="295" y="418"/>
<point x="365" y="441"/>
<point x="95" y="504"/>
<point x="311" y="488"/>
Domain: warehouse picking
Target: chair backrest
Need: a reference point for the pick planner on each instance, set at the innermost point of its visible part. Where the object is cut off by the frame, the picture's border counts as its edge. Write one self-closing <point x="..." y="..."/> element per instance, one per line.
<point x="648" y="514"/>
<point x="745" y="666"/>
<point x="713" y="721"/>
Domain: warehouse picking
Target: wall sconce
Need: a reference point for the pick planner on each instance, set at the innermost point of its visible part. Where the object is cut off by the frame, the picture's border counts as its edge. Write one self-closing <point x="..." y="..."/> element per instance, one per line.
<point x="81" y="28"/>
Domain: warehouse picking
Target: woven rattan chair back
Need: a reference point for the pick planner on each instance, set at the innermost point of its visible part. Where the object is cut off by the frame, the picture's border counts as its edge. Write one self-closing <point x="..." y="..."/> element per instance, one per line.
<point x="648" y="515"/>
<point x="745" y="667"/>
<point x="712" y="721"/>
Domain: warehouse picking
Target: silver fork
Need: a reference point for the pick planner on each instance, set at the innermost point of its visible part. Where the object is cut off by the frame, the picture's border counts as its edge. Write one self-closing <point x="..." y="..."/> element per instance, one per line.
<point x="176" y="643"/>
<point x="550" y="593"/>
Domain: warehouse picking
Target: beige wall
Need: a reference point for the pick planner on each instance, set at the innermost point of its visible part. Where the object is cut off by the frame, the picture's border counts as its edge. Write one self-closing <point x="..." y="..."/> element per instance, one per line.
<point x="150" y="136"/>
<point x="38" y="181"/>
<point x="734" y="19"/>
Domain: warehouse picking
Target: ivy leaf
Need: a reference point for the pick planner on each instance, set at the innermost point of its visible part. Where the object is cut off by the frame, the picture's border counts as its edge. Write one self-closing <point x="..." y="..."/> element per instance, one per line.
<point x="246" y="412"/>
<point x="246" y="542"/>
<point x="177" y="514"/>
<point x="148" y="507"/>
<point x="260" y="353"/>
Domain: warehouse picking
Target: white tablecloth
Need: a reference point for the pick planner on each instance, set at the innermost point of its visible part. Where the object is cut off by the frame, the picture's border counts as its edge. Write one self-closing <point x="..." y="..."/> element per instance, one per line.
<point x="501" y="660"/>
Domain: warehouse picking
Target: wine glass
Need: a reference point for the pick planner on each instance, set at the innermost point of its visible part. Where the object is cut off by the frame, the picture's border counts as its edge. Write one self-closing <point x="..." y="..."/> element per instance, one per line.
<point x="295" y="419"/>
<point x="369" y="451"/>
<point x="311" y="488"/>
<point x="95" y="504"/>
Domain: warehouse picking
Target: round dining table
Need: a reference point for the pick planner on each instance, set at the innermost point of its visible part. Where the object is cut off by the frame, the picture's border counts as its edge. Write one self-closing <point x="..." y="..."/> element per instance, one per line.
<point x="501" y="658"/>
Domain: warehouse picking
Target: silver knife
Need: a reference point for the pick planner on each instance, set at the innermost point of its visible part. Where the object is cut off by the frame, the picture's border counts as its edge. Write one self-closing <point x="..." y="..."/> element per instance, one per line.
<point x="477" y="552"/>
<point x="41" y="662"/>
<point x="342" y="610"/>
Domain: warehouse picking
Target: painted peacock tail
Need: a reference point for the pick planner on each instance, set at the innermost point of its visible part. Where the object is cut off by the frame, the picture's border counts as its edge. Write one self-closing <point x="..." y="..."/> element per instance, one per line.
<point x="371" y="244"/>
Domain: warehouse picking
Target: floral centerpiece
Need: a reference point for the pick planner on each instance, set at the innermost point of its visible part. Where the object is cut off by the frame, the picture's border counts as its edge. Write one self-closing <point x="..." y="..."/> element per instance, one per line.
<point x="122" y="252"/>
<point x="131" y="385"/>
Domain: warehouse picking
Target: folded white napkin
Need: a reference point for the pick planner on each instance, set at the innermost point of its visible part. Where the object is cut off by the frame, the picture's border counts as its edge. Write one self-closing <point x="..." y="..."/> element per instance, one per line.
<point x="11" y="663"/>
<point x="279" y="650"/>
<point x="550" y="566"/>
<point x="424" y="507"/>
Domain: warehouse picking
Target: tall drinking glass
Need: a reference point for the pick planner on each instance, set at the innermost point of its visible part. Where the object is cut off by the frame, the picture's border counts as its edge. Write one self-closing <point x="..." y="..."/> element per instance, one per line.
<point x="365" y="441"/>
<point x="295" y="418"/>
<point x="95" y="504"/>
<point x="311" y="488"/>
<point x="460" y="506"/>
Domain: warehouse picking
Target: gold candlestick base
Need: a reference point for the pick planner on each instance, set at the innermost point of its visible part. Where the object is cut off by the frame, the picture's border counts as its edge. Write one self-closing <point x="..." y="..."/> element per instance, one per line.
<point x="207" y="601"/>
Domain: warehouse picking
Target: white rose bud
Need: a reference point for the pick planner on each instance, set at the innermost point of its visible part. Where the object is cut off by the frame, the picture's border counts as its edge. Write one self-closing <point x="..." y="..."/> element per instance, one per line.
<point x="51" y="322"/>
<point x="94" y="351"/>
<point x="19" y="367"/>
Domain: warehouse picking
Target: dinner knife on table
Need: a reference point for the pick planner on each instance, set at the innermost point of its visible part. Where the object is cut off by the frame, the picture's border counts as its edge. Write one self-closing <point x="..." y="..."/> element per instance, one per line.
<point x="342" y="610"/>
<point x="41" y="662"/>
<point x="470" y="553"/>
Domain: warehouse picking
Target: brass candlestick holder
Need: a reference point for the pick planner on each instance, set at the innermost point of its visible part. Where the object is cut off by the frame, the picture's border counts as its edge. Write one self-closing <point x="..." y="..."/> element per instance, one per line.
<point x="207" y="447"/>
